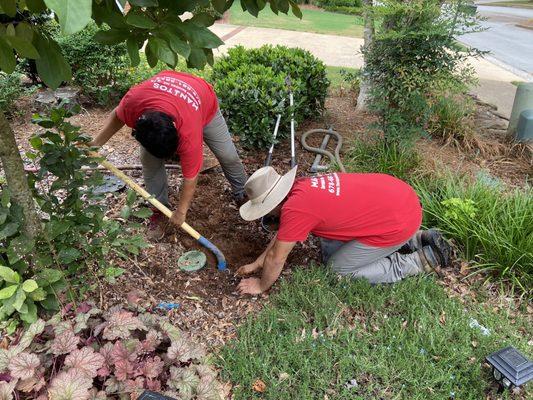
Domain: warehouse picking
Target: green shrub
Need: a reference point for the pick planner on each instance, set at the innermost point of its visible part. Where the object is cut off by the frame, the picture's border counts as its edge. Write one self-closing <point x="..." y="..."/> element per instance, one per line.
<point x="491" y="226"/>
<point x="251" y="103"/>
<point x="345" y="10"/>
<point x="451" y="120"/>
<point x="98" y="69"/>
<point x="251" y="97"/>
<point x="11" y="89"/>
<point x="297" y="63"/>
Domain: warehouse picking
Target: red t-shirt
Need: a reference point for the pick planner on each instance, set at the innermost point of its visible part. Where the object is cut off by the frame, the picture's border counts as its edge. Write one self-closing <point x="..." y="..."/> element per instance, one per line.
<point x="375" y="209"/>
<point x="189" y="100"/>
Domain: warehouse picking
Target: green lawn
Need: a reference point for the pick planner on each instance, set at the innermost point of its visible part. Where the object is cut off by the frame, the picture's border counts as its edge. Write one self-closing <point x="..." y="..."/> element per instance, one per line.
<point x="409" y="340"/>
<point x="516" y="3"/>
<point x="334" y="75"/>
<point x="313" y="21"/>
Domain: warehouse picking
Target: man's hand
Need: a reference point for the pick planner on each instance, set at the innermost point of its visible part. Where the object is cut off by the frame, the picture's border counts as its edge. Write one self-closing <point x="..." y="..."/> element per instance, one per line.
<point x="250" y="286"/>
<point x="178" y="218"/>
<point x="249" y="268"/>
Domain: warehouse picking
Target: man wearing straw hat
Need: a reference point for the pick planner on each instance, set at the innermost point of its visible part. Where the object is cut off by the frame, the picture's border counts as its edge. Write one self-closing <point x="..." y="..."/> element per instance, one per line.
<point x="362" y="220"/>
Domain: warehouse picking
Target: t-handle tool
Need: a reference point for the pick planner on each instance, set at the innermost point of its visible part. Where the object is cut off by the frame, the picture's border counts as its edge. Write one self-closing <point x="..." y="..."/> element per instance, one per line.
<point x="221" y="261"/>
<point x="288" y="82"/>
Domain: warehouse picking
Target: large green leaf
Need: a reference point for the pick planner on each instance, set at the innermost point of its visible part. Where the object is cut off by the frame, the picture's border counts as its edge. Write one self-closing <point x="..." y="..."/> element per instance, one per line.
<point x="111" y="36"/>
<point x="176" y="43"/>
<point x="250" y="6"/>
<point x="51" y="66"/>
<point x="296" y="10"/>
<point x="203" y="19"/>
<point x="151" y="57"/>
<point x="36" y="6"/>
<point x="8" y="275"/>
<point x="20" y="297"/>
<point x="50" y="275"/>
<point x="162" y="50"/>
<point x="7" y="57"/>
<point x="133" y="51"/>
<point x="197" y="59"/>
<point x="73" y="15"/>
<point x="9" y="230"/>
<point x="9" y="7"/>
<point x="140" y="21"/>
<point x="219" y="5"/>
<point x="200" y="36"/>
<point x="29" y="285"/>
<point x="23" y="47"/>
<point x="24" y="30"/>
<point x="7" y="292"/>
<point x="66" y="256"/>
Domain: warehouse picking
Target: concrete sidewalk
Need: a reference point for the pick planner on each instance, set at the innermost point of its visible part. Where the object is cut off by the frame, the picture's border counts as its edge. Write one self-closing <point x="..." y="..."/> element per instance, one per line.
<point x="495" y="85"/>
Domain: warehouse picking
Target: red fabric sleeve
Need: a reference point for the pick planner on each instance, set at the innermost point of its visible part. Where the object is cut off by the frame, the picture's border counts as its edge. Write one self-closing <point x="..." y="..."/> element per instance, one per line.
<point x="295" y="226"/>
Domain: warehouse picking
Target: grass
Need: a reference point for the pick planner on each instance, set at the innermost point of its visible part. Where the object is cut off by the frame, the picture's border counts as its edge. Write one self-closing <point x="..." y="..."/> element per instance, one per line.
<point x="409" y="340"/>
<point x="313" y="21"/>
<point x="491" y="227"/>
<point x="334" y="75"/>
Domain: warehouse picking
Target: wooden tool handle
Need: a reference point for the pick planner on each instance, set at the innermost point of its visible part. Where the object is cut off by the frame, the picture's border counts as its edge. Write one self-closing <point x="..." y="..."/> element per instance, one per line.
<point x="144" y="194"/>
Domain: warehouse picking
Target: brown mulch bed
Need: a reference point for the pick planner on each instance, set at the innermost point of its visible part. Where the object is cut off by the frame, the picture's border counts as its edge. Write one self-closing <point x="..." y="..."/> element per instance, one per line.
<point x="210" y="308"/>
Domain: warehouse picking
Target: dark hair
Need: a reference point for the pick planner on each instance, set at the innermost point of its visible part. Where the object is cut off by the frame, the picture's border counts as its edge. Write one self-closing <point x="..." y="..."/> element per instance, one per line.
<point x="157" y="134"/>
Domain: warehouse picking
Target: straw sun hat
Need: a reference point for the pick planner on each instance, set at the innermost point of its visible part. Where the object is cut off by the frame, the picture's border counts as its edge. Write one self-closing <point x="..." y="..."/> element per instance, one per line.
<point x="265" y="189"/>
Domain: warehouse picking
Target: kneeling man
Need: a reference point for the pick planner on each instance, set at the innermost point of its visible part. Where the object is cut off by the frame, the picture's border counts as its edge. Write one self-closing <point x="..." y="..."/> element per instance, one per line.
<point x="362" y="221"/>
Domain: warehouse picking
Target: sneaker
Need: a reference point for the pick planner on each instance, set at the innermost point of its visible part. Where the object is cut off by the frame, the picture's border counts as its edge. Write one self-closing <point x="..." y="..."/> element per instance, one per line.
<point x="240" y="198"/>
<point x="439" y="245"/>
<point x="157" y="226"/>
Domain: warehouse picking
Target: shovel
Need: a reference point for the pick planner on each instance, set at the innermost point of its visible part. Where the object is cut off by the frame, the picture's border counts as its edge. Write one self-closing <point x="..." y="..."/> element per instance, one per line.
<point x="221" y="261"/>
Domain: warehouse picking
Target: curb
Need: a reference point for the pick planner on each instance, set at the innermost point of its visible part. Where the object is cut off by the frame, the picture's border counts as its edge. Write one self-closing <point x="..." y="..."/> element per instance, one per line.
<point x="530" y="27"/>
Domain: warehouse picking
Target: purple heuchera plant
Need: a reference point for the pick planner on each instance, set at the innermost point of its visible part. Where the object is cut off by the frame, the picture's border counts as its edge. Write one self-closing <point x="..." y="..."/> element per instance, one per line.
<point x="87" y="354"/>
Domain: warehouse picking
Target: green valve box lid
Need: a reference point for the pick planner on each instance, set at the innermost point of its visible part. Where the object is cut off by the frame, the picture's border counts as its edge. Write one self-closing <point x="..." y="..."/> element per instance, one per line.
<point x="192" y="261"/>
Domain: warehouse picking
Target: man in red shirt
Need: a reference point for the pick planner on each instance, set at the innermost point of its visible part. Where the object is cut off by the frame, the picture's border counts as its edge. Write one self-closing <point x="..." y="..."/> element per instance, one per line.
<point x="361" y="219"/>
<point x="172" y="114"/>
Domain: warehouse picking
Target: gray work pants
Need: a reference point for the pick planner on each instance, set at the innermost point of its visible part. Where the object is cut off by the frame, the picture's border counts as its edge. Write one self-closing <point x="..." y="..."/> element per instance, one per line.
<point x="218" y="139"/>
<point x="376" y="264"/>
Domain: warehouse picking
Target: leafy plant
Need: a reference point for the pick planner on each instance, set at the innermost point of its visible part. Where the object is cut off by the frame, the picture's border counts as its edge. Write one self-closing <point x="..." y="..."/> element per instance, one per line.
<point x="491" y="226"/>
<point x="85" y="353"/>
<point x="97" y="69"/>
<point x="251" y="97"/>
<point x="414" y="55"/>
<point x="11" y="89"/>
<point x="307" y="72"/>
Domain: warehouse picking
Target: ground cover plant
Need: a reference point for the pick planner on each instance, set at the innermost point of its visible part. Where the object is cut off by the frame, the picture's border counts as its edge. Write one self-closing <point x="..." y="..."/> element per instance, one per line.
<point x="85" y="353"/>
<point x="321" y="337"/>
<point x="11" y="89"/>
<point x="251" y="85"/>
<point x="316" y="21"/>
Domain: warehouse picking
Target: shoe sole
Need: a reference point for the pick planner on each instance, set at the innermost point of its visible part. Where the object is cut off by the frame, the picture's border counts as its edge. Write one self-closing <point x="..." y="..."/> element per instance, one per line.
<point x="441" y="248"/>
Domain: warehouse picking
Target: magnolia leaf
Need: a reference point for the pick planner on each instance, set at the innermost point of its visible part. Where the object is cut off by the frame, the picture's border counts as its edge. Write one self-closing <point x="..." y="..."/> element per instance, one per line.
<point x="219" y="5"/>
<point x="23" y="365"/>
<point x="161" y="49"/>
<point x="153" y="367"/>
<point x="34" y="329"/>
<point x="86" y="361"/>
<point x="133" y="51"/>
<point x="184" y="350"/>
<point x="144" y="3"/>
<point x="200" y="36"/>
<point x="36" y="6"/>
<point x="9" y="7"/>
<point x="29" y="285"/>
<point x="176" y="42"/>
<point x="119" y="325"/>
<point x="8" y="61"/>
<point x="7" y="292"/>
<point x="51" y="66"/>
<point x="23" y="46"/>
<point x="296" y="10"/>
<point x="140" y="20"/>
<point x="73" y="15"/>
<point x="70" y="385"/>
<point x="111" y="36"/>
<point x="64" y="343"/>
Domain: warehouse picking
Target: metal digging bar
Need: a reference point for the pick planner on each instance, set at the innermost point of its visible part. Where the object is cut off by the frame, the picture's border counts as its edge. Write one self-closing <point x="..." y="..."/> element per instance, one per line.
<point x="221" y="261"/>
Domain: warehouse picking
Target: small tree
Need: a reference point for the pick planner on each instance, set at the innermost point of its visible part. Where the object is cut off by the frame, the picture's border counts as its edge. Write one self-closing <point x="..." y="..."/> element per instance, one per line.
<point x="155" y="23"/>
<point x="368" y="35"/>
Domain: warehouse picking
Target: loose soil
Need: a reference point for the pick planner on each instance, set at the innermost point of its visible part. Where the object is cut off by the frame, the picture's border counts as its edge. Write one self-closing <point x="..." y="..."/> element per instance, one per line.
<point x="210" y="307"/>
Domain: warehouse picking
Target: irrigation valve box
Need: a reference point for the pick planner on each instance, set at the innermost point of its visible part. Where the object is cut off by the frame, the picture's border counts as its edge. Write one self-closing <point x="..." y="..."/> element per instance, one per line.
<point x="510" y="368"/>
<point x="148" y="395"/>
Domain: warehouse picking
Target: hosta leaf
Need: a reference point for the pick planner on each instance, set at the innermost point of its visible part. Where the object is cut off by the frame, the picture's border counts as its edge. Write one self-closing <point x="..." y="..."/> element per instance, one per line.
<point x="23" y="365"/>
<point x="86" y="361"/>
<point x="184" y="350"/>
<point x="70" y="385"/>
<point x="7" y="292"/>
<point x="73" y="15"/>
<point x="64" y="343"/>
<point x="29" y="285"/>
<point x="120" y="324"/>
<point x="153" y="367"/>
<point x="8" y="275"/>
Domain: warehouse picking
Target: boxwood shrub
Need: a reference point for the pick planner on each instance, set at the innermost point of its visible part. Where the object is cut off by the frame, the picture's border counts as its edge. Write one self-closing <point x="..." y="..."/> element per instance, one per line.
<point x="251" y="102"/>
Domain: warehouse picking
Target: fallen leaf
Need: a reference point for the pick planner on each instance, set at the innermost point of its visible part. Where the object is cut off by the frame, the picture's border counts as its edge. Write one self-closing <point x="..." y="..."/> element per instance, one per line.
<point x="474" y="344"/>
<point x="283" y="376"/>
<point x="442" y="318"/>
<point x="259" y="386"/>
<point x="314" y="333"/>
<point x="404" y="324"/>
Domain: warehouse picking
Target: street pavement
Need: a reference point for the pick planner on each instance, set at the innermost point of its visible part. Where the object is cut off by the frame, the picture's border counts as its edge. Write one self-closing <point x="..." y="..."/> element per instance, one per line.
<point x="507" y="42"/>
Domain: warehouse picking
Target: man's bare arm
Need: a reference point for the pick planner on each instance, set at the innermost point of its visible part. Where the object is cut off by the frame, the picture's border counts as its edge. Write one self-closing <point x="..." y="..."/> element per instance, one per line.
<point x="258" y="263"/>
<point x="186" y="195"/>
<point x="112" y="125"/>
